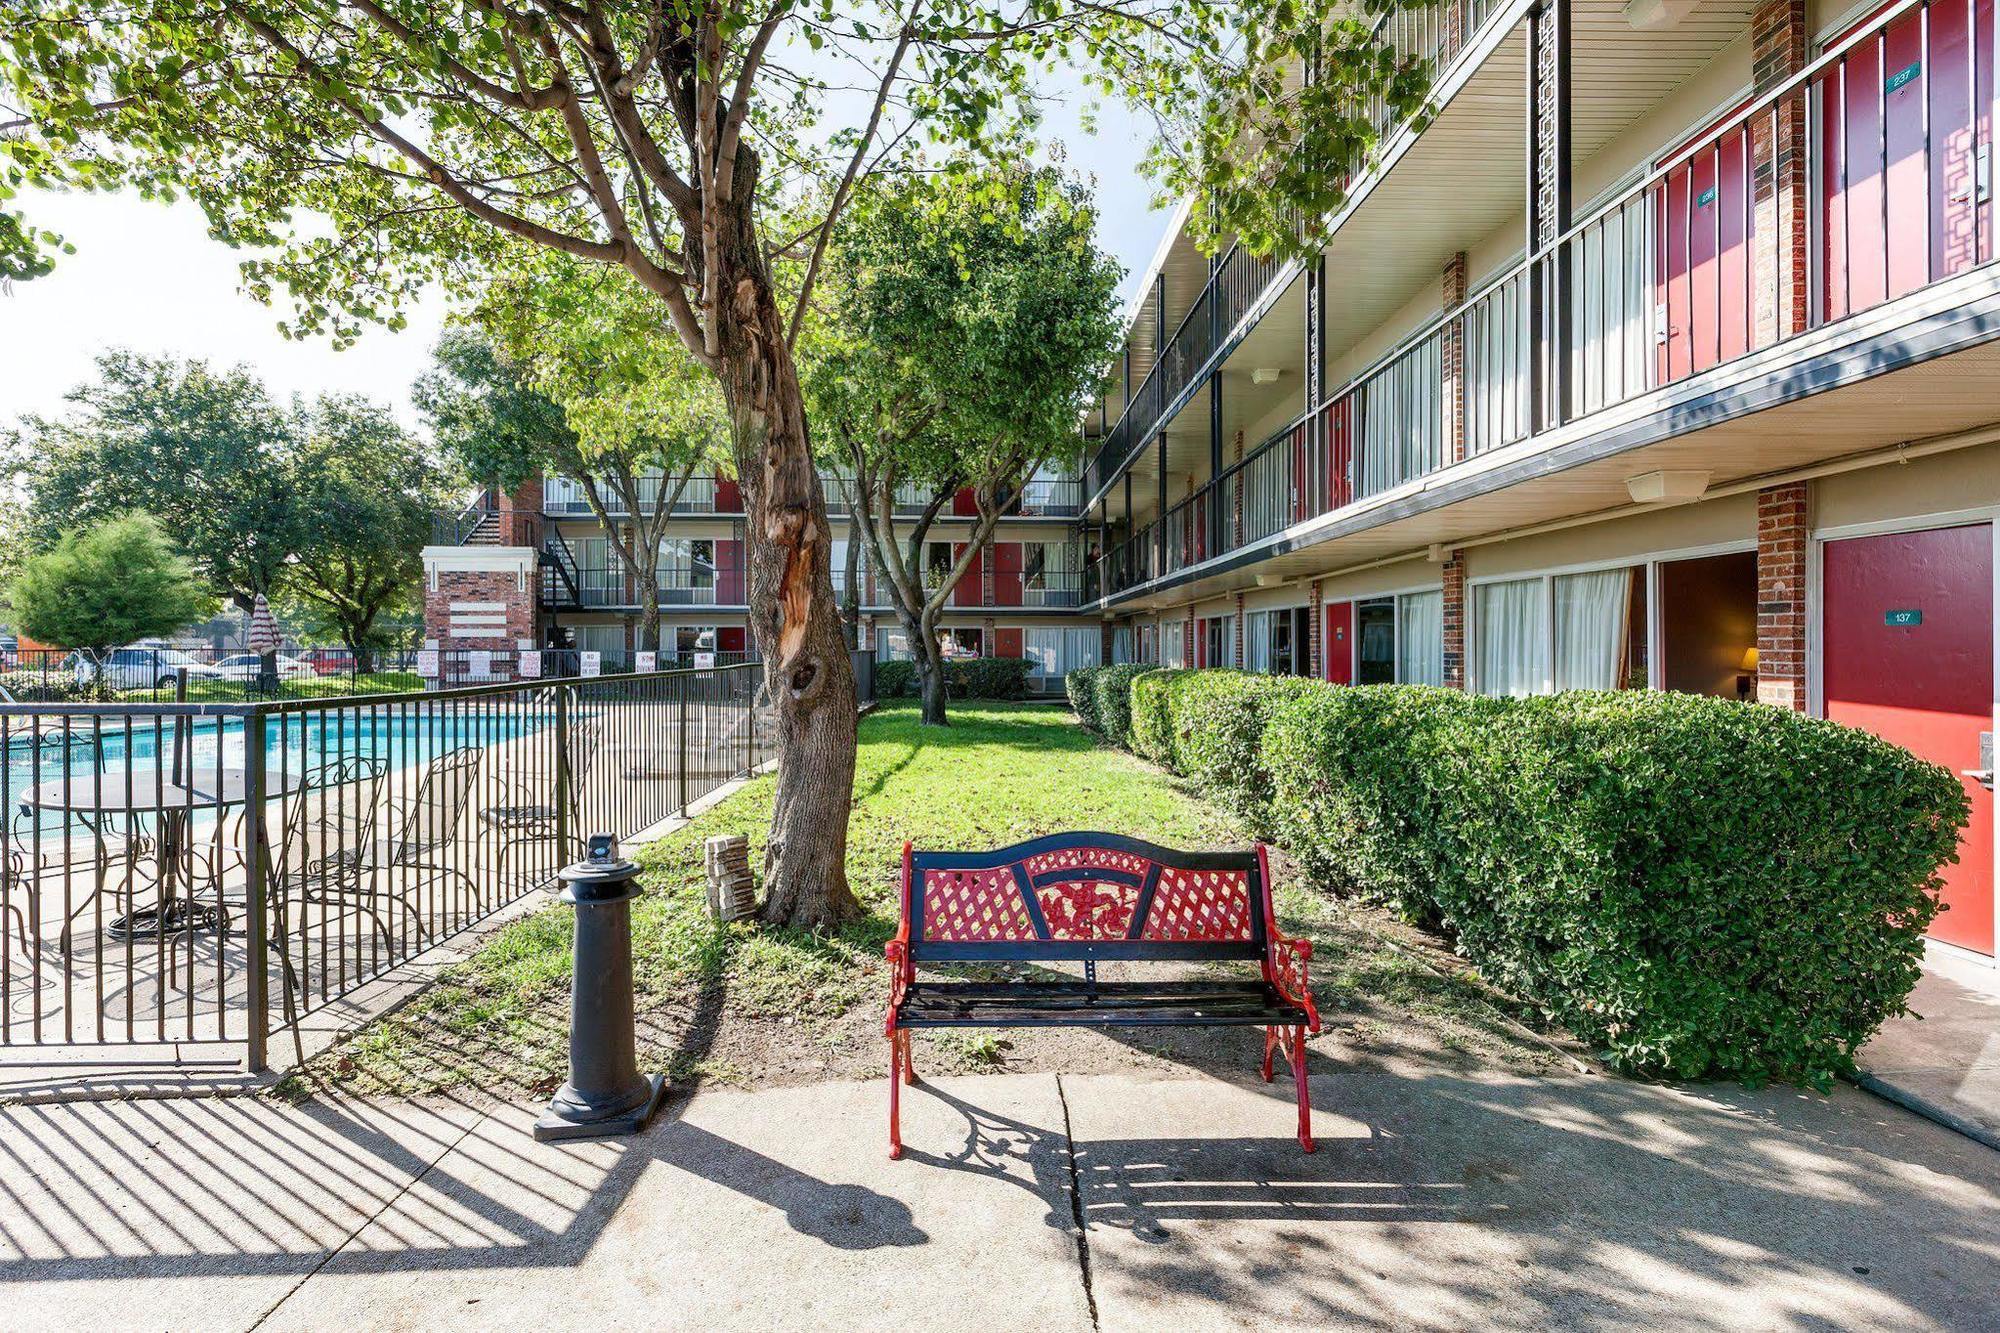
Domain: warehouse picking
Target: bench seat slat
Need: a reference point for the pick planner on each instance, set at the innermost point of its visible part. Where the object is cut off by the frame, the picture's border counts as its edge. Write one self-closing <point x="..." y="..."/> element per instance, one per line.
<point x="1110" y="1004"/>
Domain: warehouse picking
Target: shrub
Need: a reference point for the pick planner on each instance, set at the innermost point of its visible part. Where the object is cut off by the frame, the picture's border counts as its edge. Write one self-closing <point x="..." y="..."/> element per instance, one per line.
<point x="1080" y="683"/>
<point x="44" y="686"/>
<point x="1112" y="691"/>
<point x="1152" y="724"/>
<point x="1217" y="731"/>
<point x="988" y="678"/>
<point x="1699" y="888"/>
<point x="895" y="680"/>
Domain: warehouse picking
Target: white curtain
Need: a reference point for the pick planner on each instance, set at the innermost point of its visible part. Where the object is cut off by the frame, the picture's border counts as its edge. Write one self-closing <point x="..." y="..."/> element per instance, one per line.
<point x="1590" y="629"/>
<point x="1173" y="644"/>
<point x="1081" y="647"/>
<point x="1420" y="625"/>
<point x="1044" y="648"/>
<point x="1257" y="642"/>
<point x="1512" y="639"/>
<point x="892" y="645"/>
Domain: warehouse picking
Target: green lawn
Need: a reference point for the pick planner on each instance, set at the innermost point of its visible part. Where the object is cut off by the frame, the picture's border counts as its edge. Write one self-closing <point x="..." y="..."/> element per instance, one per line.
<point x="302" y="687"/>
<point x="752" y="1005"/>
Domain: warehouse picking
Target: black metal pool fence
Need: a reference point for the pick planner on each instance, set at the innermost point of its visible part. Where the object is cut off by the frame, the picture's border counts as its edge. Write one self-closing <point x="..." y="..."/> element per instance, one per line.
<point x="211" y="872"/>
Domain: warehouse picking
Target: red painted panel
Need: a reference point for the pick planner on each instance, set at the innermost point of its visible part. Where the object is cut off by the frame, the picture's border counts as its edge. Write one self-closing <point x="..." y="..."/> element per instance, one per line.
<point x="1339" y="654"/>
<point x="1006" y="642"/>
<point x="729" y="573"/>
<point x="964" y="501"/>
<point x="1702" y="215"/>
<point x="728" y="496"/>
<point x="1898" y="168"/>
<point x="1927" y="686"/>
<point x="1006" y="558"/>
<point x="1339" y="429"/>
<point x="729" y="639"/>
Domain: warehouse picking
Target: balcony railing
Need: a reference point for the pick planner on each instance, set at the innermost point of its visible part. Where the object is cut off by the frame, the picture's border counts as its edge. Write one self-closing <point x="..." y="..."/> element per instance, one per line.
<point x="1239" y="282"/>
<point x="1686" y="270"/>
<point x="563" y="498"/>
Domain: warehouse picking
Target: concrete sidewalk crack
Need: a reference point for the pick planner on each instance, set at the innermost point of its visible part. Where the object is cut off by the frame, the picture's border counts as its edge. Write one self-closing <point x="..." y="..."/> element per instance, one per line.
<point x="1076" y="1207"/>
<point x="368" y="1221"/>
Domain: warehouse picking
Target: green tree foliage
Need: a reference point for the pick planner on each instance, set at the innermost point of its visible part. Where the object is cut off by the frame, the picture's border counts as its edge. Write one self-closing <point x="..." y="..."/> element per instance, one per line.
<point x="326" y="502"/>
<point x="573" y="374"/>
<point x="105" y="586"/>
<point x="367" y="496"/>
<point x="201" y="450"/>
<point x="966" y="315"/>
<point x="363" y="149"/>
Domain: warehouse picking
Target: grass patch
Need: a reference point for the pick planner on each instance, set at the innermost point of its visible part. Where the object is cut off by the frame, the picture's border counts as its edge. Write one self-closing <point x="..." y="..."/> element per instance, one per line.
<point x="746" y="1004"/>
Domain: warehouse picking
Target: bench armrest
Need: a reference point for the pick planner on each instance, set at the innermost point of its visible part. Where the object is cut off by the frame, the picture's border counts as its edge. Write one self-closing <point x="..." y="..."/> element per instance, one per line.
<point x="1291" y="961"/>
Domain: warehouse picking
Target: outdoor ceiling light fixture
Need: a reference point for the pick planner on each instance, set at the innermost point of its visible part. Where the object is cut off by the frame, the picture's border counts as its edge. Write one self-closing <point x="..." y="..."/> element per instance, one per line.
<point x="1264" y="375"/>
<point x="1651" y="488"/>
<point x="1656" y="15"/>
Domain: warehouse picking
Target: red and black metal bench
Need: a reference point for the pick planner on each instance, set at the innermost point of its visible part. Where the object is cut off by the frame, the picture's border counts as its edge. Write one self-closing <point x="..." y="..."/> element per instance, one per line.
<point x="1095" y="898"/>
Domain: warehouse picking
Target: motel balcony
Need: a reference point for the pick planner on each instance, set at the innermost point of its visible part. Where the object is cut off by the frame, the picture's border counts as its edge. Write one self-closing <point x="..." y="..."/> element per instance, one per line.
<point x="1801" y="280"/>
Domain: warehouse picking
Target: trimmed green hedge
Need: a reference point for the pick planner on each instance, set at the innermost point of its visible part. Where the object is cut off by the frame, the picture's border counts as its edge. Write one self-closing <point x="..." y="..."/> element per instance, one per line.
<point x="1698" y="888"/>
<point x="965" y="678"/>
<point x="1111" y="690"/>
<point x="1080" y="684"/>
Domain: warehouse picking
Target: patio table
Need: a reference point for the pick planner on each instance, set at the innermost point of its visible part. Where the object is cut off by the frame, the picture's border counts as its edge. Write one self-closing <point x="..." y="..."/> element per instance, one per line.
<point x="96" y="798"/>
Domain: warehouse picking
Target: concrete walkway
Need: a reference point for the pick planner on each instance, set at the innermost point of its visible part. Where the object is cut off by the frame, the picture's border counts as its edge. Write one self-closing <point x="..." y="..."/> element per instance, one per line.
<point x="1438" y="1199"/>
<point x="1944" y="1059"/>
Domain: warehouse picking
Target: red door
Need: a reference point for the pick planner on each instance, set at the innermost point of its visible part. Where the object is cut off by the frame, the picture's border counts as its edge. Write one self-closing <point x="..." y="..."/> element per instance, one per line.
<point x="1909" y="656"/>
<point x="1340" y="642"/>
<point x="1703" y="221"/>
<point x="728" y="496"/>
<point x="1338" y="424"/>
<point x="1904" y="171"/>
<point x="1006" y="558"/>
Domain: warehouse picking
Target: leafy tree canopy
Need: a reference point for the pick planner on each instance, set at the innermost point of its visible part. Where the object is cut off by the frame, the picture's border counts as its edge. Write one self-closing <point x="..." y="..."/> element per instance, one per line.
<point x="108" y="585"/>
<point x="203" y="451"/>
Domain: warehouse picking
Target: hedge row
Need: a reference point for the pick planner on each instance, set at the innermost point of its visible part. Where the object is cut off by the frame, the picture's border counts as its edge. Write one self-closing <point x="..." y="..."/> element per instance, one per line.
<point x="965" y="678"/>
<point x="1698" y="888"/>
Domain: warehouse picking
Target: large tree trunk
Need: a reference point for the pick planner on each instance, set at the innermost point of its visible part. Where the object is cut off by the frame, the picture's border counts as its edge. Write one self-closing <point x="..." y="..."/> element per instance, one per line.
<point x="792" y="608"/>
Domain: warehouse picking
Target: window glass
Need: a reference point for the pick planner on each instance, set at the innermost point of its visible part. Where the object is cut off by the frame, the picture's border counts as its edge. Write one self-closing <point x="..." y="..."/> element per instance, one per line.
<point x="1593" y="629"/>
<point x="1375" y="635"/>
<point x="1511" y="631"/>
<point x="1420" y="642"/>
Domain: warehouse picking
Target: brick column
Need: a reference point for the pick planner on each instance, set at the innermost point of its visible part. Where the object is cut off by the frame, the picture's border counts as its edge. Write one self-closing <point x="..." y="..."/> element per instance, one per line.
<point x="1779" y="48"/>
<point x="1451" y="354"/>
<point x="1454" y="620"/>
<point x="1316" y="639"/>
<point x="521" y="515"/>
<point x="1188" y="655"/>
<point x="1239" y="632"/>
<point x="480" y="598"/>
<point x="1104" y="642"/>
<point x="1781" y="596"/>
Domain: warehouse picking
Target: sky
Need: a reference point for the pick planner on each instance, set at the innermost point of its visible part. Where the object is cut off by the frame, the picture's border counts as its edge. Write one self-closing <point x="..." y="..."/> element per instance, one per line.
<point x="146" y="276"/>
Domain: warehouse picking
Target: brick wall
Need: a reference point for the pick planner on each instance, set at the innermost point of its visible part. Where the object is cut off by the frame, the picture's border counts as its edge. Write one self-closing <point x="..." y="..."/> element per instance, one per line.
<point x="1781" y="595"/>
<point x="1779" y="48"/>
<point x="1451" y="352"/>
<point x="1454" y="620"/>
<point x="521" y="515"/>
<point x="1316" y="637"/>
<point x="1239" y="632"/>
<point x="477" y="608"/>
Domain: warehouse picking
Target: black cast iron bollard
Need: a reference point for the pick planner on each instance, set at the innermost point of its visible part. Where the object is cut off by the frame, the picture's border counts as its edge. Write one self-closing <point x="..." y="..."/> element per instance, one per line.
<point x="606" y="1094"/>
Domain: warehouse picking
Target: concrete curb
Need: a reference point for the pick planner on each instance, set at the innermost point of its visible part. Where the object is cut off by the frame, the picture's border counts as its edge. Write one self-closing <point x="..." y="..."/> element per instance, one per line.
<point x="1928" y="1109"/>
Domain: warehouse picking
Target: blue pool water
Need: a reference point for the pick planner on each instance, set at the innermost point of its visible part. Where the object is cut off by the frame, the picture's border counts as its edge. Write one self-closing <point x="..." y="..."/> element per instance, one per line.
<point x="294" y="743"/>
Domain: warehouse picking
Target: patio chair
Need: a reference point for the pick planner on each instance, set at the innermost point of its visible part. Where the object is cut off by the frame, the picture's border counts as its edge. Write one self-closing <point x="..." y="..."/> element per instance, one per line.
<point x="526" y="810"/>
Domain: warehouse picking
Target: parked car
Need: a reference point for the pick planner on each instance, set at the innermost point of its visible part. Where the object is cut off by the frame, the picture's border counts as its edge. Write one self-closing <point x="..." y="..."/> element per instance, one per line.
<point x="140" y="668"/>
<point x="329" y="661"/>
<point x="247" y="667"/>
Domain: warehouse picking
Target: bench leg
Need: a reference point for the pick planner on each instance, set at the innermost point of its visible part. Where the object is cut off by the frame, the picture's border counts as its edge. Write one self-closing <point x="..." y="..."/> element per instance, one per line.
<point x="909" y="1058"/>
<point x="1297" y="1057"/>
<point x="896" y="1040"/>
<point x="1270" y="1045"/>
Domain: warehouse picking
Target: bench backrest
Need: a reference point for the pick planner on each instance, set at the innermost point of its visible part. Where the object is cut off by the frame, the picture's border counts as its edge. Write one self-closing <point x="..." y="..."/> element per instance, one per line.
<point x="1086" y="896"/>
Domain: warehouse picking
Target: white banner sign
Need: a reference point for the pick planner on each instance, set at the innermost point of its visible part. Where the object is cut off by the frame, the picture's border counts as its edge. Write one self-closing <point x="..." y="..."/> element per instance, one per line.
<point x="645" y="662"/>
<point x="427" y="664"/>
<point x="593" y="664"/>
<point x="530" y="663"/>
<point x="480" y="663"/>
<point x="704" y="661"/>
